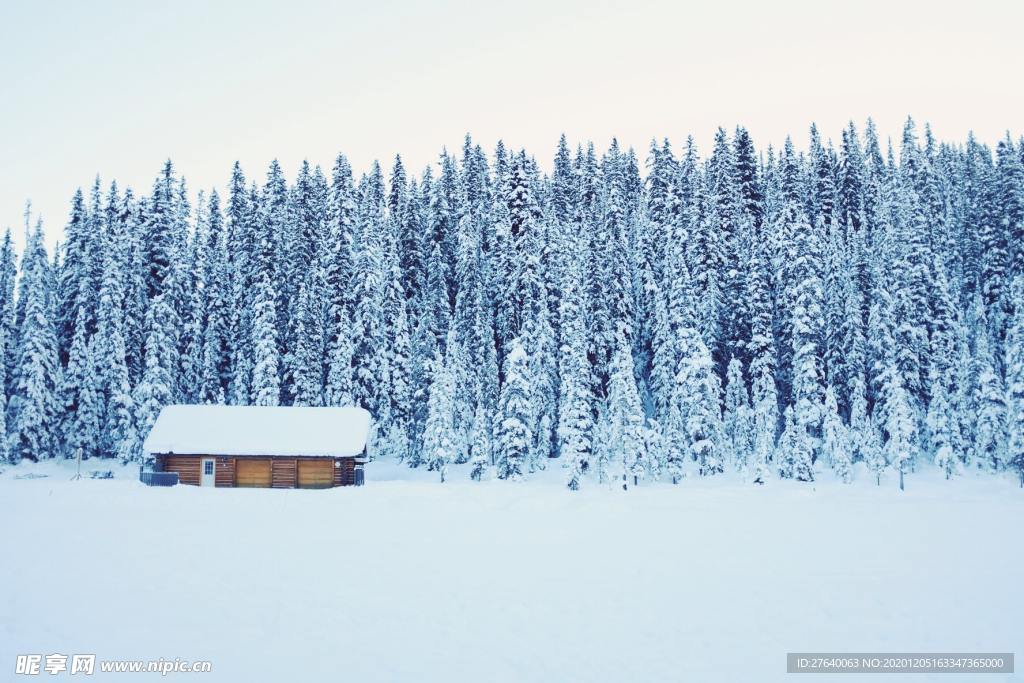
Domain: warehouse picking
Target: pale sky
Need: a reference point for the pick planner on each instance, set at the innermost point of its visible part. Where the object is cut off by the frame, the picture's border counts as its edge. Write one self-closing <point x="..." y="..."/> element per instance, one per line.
<point x="116" y="88"/>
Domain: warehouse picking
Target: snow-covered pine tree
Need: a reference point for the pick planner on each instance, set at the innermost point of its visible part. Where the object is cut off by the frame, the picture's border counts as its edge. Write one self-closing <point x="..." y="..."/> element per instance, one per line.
<point x="397" y="439"/>
<point x="871" y="449"/>
<point x="602" y="455"/>
<point x="367" y="319"/>
<point x="468" y="285"/>
<point x="765" y="423"/>
<point x="161" y="232"/>
<point x="156" y="389"/>
<point x="795" y="452"/>
<point x="764" y="394"/>
<point x="266" y="380"/>
<point x="940" y="424"/>
<point x="481" y="443"/>
<point x="1010" y="204"/>
<point x="575" y="420"/>
<point x="423" y="346"/>
<point x="512" y="429"/>
<point x="306" y="357"/>
<point x="241" y="240"/>
<point x="8" y="277"/>
<point x="900" y="425"/>
<point x="196" y="272"/>
<point x="33" y="405"/>
<point x="625" y="417"/>
<point x="79" y="395"/>
<point x="807" y="300"/>
<point x="1015" y="381"/>
<point x="544" y="371"/>
<point x="441" y="444"/>
<point x="880" y="352"/>
<point x="835" y="438"/>
<point x="339" y="391"/>
<point x="706" y="261"/>
<point x="661" y="379"/>
<point x="5" y="442"/>
<point x="215" y="364"/>
<point x="73" y="285"/>
<point x="696" y="403"/>
<point x="436" y="307"/>
<point x="458" y="366"/>
<point x="737" y="423"/>
<point x="611" y="292"/>
<point x="989" y="407"/>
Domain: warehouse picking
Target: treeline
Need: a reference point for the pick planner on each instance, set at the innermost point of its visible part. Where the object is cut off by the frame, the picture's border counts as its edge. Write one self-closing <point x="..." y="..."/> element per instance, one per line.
<point x="776" y="312"/>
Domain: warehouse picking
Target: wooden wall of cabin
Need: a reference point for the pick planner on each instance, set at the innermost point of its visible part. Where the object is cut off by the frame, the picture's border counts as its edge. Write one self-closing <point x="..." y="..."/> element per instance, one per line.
<point x="224" y="472"/>
<point x="283" y="472"/>
<point x="187" y="467"/>
<point x="344" y="475"/>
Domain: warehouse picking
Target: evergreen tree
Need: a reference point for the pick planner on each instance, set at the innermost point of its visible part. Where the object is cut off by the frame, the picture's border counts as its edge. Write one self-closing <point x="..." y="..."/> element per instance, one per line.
<point x="440" y="443"/>
<point x="156" y="389"/>
<point x="695" y="407"/>
<point x="575" y="421"/>
<point x="762" y="351"/>
<point x="8" y="277"/>
<point x="807" y="299"/>
<point x="795" y="450"/>
<point x="1015" y="382"/>
<point x="512" y="431"/>
<point x="900" y="425"/>
<point x="306" y="360"/>
<point x="940" y="422"/>
<point x="33" y="407"/>
<point x="73" y="289"/>
<point x="871" y="449"/>
<point x="624" y="416"/>
<point x="989" y="410"/>
<point x="5" y="445"/>
<point x="765" y="423"/>
<point x="80" y="400"/>
<point x="480" y="443"/>
<point x="161" y="232"/>
<point x="215" y="362"/>
<point x="266" y="381"/>
<point x="836" y="439"/>
<point x="339" y="389"/>
<point x="737" y="419"/>
<point x="544" y="370"/>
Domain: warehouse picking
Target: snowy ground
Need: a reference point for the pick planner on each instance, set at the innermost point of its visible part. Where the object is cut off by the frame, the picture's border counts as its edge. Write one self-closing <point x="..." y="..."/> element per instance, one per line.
<point x="408" y="580"/>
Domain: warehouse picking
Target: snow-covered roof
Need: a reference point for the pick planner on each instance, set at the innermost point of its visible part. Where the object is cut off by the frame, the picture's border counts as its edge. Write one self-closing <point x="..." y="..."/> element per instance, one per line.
<point x="252" y="430"/>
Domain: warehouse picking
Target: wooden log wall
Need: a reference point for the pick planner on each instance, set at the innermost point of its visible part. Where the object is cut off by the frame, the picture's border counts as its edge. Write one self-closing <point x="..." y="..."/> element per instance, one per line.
<point x="225" y="472"/>
<point x="187" y="467"/>
<point x="283" y="475"/>
<point x="345" y="475"/>
<point x="284" y="471"/>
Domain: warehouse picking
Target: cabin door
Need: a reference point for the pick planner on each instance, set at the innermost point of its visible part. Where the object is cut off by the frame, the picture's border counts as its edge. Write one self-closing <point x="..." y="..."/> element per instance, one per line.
<point x="208" y="472"/>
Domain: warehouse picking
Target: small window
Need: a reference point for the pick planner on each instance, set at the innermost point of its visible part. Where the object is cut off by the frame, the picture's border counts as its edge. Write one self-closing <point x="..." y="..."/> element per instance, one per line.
<point x="208" y="467"/>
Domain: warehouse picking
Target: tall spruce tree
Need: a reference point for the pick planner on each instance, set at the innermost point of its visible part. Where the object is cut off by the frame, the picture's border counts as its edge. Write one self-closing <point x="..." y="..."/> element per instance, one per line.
<point x="33" y="406"/>
<point x="513" y="437"/>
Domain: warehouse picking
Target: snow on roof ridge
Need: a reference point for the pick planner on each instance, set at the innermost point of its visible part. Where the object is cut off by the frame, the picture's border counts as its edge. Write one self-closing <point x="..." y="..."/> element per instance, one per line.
<point x="259" y="430"/>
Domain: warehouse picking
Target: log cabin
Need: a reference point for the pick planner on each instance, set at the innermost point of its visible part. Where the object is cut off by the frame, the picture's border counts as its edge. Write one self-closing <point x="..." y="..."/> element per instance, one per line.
<point x="260" y="447"/>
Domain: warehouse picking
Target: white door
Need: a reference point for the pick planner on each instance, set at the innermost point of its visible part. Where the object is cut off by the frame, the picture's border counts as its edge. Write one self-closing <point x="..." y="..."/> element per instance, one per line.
<point x="208" y="472"/>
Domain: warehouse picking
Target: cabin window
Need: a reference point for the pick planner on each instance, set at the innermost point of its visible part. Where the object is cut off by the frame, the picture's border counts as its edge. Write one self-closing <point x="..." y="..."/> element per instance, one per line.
<point x="208" y="467"/>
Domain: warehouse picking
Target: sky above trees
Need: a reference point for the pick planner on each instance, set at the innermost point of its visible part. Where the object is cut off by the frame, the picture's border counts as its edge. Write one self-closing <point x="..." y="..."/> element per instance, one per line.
<point x="115" y="89"/>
